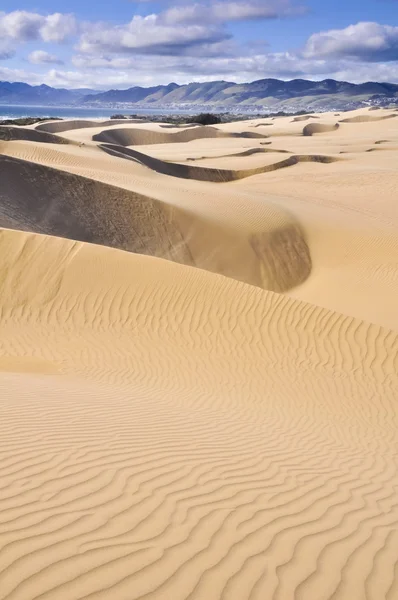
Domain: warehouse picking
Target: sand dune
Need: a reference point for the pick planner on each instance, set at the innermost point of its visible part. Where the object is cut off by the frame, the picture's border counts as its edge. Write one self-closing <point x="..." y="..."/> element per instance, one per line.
<point x="206" y="173"/>
<point x="213" y="413"/>
<point x="304" y="118"/>
<point x="45" y="200"/>
<point x="70" y="125"/>
<point x="367" y="119"/>
<point x="41" y="199"/>
<point x="179" y="125"/>
<point x="29" y="135"/>
<point x="313" y="128"/>
<point x="137" y="137"/>
<point x="198" y="438"/>
<point x="248" y="152"/>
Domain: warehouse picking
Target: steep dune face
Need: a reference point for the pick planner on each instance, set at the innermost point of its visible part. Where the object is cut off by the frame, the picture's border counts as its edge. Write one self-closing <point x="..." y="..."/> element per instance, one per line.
<point x="304" y="118"/>
<point x="70" y="125"/>
<point x="206" y="173"/>
<point x="168" y="433"/>
<point x="45" y="200"/>
<point x="37" y="198"/>
<point x="366" y="119"/>
<point x="313" y="128"/>
<point x="138" y="137"/>
<point x="30" y="135"/>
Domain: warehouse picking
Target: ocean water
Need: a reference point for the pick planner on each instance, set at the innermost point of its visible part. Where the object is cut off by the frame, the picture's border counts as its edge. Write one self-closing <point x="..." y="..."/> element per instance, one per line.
<point x="15" y="112"/>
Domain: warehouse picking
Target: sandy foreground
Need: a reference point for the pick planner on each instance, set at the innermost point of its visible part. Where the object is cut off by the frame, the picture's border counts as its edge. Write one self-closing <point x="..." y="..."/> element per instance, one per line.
<point x="199" y="360"/>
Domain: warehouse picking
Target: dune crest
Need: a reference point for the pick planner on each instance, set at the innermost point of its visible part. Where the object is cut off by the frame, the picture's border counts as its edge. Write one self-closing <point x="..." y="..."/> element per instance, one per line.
<point x="207" y="173"/>
<point x="314" y="128"/>
<point x="30" y="135"/>
<point x="366" y="119"/>
<point x="45" y="200"/>
<point x="70" y="125"/>
<point x="138" y="137"/>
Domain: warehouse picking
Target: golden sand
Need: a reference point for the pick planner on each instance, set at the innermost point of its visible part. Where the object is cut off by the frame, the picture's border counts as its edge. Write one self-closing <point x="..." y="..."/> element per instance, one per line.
<point x="199" y="376"/>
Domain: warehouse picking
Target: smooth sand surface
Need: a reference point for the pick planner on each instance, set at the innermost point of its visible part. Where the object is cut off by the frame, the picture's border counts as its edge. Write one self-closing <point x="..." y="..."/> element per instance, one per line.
<point x="199" y="375"/>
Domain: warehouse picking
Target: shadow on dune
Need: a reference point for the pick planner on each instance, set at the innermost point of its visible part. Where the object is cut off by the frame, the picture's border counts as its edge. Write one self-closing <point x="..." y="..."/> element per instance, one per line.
<point x="60" y="126"/>
<point x="367" y="119"/>
<point x="41" y="199"/>
<point x="8" y="134"/>
<point x="304" y="118"/>
<point x="313" y="128"/>
<point x="208" y="173"/>
<point x="244" y="153"/>
<point x="146" y="137"/>
<point x="44" y="200"/>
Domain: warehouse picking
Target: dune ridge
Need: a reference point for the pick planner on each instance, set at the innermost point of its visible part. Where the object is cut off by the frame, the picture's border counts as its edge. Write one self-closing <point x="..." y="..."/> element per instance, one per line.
<point x="304" y="118"/>
<point x="30" y="135"/>
<point x="208" y="173"/>
<point x="139" y="137"/>
<point x="366" y="119"/>
<point x="46" y="200"/>
<point x="70" y="125"/>
<point x="314" y="128"/>
<point x="248" y="152"/>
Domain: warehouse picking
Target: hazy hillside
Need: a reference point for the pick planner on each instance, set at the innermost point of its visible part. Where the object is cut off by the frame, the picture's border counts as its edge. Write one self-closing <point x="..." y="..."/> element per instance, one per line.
<point x="274" y="93"/>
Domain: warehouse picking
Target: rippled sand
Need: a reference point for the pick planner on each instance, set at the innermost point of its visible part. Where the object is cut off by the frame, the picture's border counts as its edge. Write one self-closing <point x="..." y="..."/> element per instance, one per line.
<point x="198" y="373"/>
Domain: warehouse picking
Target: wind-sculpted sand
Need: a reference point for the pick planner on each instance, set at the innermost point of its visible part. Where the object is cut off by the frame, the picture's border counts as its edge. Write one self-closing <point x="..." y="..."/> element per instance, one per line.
<point x="8" y="134"/>
<point x="138" y="137"/>
<point x="61" y="126"/>
<point x="367" y="119"/>
<point x="313" y="128"/>
<point x="41" y="199"/>
<point x="206" y="173"/>
<point x="213" y="412"/>
<point x="304" y="118"/>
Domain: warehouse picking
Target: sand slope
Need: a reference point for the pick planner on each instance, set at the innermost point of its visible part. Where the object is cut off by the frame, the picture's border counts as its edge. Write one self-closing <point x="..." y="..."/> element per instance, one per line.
<point x="209" y="174"/>
<point x="31" y="135"/>
<point x="339" y="220"/>
<point x="204" y="406"/>
<point x="136" y="137"/>
<point x="168" y="433"/>
<point x="33" y="197"/>
<point x="70" y="125"/>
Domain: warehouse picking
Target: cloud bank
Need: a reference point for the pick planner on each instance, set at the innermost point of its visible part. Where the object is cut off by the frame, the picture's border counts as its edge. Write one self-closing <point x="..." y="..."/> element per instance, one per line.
<point x="185" y="42"/>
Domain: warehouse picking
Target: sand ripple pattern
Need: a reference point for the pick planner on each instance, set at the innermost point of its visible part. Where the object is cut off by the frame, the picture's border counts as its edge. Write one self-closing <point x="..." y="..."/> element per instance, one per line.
<point x="202" y="438"/>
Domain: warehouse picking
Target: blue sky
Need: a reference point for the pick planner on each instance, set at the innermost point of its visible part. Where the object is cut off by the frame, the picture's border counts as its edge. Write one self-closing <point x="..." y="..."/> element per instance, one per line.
<point x="102" y="44"/>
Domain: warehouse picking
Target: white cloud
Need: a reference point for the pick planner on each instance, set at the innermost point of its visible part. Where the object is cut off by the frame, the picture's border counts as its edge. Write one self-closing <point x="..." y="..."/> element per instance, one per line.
<point x="191" y="42"/>
<point x="224" y="12"/>
<point x="58" y="27"/>
<point x="23" y="26"/>
<point x="367" y="41"/>
<point x="38" y="57"/>
<point x="151" y="34"/>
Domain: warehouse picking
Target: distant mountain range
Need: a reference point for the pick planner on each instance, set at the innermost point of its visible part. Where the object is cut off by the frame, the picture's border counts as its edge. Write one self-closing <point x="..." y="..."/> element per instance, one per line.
<point x="274" y="94"/>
